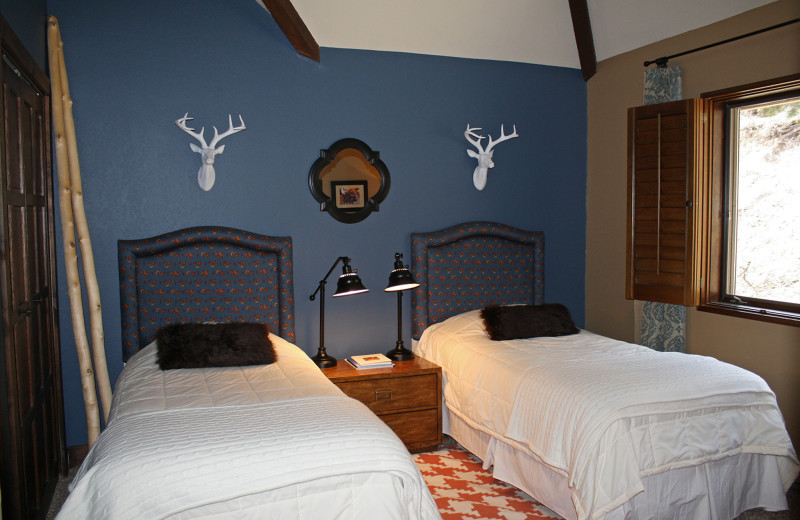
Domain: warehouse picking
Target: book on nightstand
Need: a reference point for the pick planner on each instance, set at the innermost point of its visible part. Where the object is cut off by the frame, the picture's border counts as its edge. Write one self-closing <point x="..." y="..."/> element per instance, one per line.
<point x="370" y="361"/>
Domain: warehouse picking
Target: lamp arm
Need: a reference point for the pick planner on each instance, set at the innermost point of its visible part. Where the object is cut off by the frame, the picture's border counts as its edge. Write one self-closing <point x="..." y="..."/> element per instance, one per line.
<point x="325" y="278"/>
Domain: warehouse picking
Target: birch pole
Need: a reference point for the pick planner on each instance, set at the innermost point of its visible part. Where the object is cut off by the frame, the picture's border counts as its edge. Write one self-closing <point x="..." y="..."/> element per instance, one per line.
<point x="85" y="243"/>
<point x="68" y="235"/>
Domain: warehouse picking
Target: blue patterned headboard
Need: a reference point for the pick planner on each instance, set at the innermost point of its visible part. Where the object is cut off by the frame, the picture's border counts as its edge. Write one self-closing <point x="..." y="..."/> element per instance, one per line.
<point x="470" y="265"/>
<point x="204" y="274"/>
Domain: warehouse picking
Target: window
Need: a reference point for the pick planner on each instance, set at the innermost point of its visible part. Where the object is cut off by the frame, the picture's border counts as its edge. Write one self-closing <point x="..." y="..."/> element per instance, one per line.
<point x="754" y="247"/>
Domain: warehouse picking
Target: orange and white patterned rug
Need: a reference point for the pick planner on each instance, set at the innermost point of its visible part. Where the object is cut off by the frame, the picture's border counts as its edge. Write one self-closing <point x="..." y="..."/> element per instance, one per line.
<point x="464" y="490"/>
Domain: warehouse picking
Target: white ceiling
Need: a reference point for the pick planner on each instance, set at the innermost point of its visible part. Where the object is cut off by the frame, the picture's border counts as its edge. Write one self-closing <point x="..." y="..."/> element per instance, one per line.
<point x="527" y="31"/>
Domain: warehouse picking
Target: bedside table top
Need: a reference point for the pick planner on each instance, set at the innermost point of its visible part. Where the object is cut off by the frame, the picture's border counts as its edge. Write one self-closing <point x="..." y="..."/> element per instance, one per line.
<point x="344" y="371"/>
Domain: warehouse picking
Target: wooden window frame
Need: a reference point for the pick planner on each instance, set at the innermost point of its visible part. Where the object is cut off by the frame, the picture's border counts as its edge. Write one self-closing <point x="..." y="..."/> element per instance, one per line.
<point x="712" y="289"/>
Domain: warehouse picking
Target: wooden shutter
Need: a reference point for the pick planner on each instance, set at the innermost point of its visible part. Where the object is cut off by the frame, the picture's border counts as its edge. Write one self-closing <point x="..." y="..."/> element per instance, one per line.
<point x="666" y="201"/>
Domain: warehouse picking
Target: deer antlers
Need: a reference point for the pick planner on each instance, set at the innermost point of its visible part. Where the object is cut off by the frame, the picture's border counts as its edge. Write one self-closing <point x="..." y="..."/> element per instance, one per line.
<point x="474" y="139"/>
<point x="470" y="132"/>
<point x="231" y="130"/>
<point x="217" y="136"/>
<point x="197" y="135"/>
<point x="479" y="175"/>
<point x="206" y="174"/>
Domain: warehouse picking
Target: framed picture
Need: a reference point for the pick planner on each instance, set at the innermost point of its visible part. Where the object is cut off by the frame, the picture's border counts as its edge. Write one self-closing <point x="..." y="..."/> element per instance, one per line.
<point x="349" y="194"/>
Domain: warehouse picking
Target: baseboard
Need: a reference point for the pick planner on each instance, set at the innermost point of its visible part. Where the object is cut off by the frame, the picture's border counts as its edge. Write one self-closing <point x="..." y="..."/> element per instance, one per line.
<point x="76" y="454"/>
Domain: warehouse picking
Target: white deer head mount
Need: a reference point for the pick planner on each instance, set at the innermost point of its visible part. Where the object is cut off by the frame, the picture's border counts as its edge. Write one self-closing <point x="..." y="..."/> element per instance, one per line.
<point x="484" y="156"/>
<point x="206" y="174"/>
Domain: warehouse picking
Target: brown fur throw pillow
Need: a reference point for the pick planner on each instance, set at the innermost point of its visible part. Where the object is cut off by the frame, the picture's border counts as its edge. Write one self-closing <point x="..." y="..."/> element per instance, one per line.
<point x="198" y="345"/>
<point x="527" y="321"/>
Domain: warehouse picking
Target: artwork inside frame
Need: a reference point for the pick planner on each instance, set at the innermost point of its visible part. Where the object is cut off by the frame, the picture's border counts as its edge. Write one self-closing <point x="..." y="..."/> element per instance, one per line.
<point x="349" y="195"/>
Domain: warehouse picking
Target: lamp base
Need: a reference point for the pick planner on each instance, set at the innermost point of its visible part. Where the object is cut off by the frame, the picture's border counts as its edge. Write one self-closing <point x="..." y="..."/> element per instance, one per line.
<point x="400" y="353"/>
<point x="323" y="360"/>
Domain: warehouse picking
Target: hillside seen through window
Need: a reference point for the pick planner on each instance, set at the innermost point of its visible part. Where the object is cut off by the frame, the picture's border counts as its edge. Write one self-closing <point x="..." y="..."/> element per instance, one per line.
<point x="763" y="238"/>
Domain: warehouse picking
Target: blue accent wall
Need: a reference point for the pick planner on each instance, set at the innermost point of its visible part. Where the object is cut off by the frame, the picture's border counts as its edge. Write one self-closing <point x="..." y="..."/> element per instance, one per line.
<point x="135" y="67"/>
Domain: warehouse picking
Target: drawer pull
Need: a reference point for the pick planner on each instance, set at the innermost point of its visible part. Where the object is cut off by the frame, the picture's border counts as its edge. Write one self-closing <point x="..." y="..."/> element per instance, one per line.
<point x="383" y="395"/>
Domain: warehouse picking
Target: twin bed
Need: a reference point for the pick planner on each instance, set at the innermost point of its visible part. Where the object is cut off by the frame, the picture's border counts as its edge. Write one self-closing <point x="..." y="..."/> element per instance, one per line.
<point x="547" y="414"/>
<point x="261" y="441"/>
<point x="591" y="427"/>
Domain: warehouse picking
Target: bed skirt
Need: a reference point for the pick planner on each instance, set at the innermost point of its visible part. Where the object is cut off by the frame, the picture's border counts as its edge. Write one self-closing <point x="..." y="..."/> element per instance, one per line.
<point x="737" y="483"/>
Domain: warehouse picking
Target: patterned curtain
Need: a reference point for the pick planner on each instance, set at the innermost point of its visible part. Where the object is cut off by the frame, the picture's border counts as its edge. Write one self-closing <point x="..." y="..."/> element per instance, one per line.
<point x="662" y="84"/>
<point x="663" y="325"/>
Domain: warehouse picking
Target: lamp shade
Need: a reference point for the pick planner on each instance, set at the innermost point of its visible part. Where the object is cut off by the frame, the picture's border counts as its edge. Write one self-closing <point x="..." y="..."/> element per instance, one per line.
<point x="400" y="279"/>
<point x="349" y="282"/>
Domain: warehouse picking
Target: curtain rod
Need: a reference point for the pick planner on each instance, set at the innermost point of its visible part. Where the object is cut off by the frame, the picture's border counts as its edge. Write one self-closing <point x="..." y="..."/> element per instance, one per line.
<point x="662" y="62"/>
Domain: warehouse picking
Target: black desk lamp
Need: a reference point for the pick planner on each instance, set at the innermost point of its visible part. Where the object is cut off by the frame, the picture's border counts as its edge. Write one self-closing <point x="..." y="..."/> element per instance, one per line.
<point x="400" y="279"/>
<point x="349" y="283"/>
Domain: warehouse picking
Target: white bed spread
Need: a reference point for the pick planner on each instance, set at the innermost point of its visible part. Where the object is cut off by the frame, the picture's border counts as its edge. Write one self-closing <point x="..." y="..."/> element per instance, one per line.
<point x="236" y="442"/>
<point x="603" y="413"/>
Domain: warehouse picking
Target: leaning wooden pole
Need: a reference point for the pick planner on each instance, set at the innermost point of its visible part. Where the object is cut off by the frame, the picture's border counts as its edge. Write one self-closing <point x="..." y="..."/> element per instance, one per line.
<point x="68" y="232"/>
<point x="85" y="243"/>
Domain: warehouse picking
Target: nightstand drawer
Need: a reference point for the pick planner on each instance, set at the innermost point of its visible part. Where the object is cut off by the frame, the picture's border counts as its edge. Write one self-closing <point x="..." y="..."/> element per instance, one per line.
<point x="407" y="397"/>
<point x="421" y="427"/>
<point x="396" y="393"/>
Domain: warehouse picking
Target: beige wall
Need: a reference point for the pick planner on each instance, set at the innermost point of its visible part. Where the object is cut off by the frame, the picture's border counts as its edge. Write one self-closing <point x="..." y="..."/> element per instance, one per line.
<point x="772" y="351"/>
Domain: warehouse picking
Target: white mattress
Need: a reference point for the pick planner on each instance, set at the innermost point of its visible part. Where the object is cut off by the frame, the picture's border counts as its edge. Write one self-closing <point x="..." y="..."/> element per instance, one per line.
<point x="277" y="440"/>
<point x="601" y="414"/>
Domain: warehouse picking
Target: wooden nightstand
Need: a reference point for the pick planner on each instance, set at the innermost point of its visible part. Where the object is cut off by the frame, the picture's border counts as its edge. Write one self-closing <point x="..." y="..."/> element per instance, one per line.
<point x="407" y="397"/>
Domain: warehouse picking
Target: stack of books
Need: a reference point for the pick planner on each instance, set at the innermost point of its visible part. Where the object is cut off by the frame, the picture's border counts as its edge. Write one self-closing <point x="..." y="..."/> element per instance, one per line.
<point x="370" y="361"/>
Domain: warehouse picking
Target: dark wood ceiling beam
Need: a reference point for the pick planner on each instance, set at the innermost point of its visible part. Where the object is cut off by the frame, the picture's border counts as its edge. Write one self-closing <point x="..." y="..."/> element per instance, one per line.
<point x="292" y="25"/>
<point x="582" y="26"/>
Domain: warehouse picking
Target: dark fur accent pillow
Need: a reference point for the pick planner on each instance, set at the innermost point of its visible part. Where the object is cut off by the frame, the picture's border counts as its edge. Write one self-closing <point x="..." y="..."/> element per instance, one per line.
<point x="198" y="345"/>
<point x="527" y="321"/>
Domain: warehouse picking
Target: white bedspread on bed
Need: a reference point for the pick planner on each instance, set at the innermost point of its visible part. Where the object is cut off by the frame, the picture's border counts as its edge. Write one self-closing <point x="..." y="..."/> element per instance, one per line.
<point x="283" y="428"/>
<point x="604" y="413"/>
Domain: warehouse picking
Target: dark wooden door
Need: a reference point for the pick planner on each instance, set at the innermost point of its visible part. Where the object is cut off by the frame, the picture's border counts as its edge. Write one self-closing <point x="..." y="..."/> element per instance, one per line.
<point x="32" y="429"/>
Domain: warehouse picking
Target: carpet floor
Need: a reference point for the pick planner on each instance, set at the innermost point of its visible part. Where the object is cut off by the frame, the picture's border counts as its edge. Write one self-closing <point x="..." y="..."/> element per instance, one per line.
<point x="463" y="489"/>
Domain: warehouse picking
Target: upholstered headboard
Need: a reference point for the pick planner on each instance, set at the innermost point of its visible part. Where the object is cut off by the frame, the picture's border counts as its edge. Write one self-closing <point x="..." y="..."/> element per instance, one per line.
<point x="204" y="274"/>
<point x="470" y="265"/>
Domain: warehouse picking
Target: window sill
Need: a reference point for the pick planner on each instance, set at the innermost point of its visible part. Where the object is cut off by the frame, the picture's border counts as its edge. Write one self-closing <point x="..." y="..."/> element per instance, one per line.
<point x="752" y="313"/>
